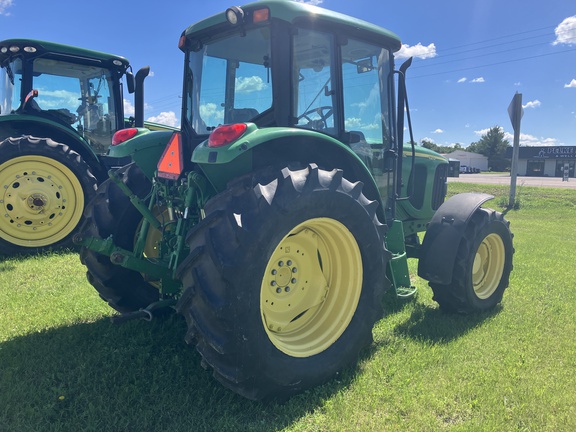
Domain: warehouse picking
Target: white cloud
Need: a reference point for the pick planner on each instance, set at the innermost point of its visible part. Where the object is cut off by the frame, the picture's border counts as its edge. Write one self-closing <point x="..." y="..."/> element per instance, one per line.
<point x="353" y="123"/>
<point x="528" y="140"/>
<point x="475" y="80"/>
<point x="418" y="51"/>
<point x="485" y="131"/>
<point x="532" y="104"/>
<point x="128" y="108"/>
<point x="427" y="139"/>
<point x="517" y="83"/>
<point x="566" y="32"/>
<point x="571" y="84"/>
<point x="311" y="2"/>
<point x="249" y="84"/>
<point x="525" y="139"/>
<point x="5" y="4"/>
<point x="211" y="114"/>
<point x="166" y="117"/>
<point x="438" y="131"/>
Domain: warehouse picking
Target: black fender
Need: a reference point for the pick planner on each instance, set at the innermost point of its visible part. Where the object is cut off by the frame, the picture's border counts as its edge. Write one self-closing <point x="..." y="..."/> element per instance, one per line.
<point x="443" y="236"/>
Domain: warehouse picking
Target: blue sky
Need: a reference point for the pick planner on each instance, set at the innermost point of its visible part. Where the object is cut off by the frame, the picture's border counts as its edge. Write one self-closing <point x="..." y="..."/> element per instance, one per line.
<point x="471" y="56"/>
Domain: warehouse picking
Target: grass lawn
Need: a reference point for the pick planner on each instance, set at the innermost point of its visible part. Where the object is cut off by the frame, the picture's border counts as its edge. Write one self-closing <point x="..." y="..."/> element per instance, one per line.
<point x="65" y="367"/>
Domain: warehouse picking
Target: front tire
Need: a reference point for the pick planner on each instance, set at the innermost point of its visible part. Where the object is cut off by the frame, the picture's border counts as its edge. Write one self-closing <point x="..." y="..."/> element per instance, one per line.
<point x="284" y="280"/>
<point x="44" y="188"/>
<point x="482" y="268"/>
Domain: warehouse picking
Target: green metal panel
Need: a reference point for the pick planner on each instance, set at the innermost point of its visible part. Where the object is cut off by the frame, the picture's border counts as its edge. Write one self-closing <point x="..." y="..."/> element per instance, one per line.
<point x="43" y="47"/>
<point x="18" y="124"/>
<point x="291" y="11"/>
<point x="145" y="149"/>
<point x="237" y="156"/>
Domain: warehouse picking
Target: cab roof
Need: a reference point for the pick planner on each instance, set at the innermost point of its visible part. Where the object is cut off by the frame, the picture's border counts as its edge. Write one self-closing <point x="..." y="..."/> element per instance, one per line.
<point x="294" y="12"/>
<point x="81" y="55"/>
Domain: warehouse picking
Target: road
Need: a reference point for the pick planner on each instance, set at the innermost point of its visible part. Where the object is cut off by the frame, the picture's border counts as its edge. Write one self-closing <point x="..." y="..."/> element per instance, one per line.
<point x="504" y="179"/>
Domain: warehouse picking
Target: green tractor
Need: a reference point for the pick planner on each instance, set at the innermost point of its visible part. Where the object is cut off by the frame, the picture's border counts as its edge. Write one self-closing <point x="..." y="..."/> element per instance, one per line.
<point x="59" y="109"/>
<point x="286" y="206"/>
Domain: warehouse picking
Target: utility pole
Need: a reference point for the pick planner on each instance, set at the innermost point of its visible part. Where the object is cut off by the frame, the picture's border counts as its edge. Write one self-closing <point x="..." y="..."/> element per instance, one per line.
<point x="516" y="112"/>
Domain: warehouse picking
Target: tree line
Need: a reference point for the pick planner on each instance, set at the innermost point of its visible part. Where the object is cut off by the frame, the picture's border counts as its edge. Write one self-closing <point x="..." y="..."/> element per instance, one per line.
<point x="492" y="144"/>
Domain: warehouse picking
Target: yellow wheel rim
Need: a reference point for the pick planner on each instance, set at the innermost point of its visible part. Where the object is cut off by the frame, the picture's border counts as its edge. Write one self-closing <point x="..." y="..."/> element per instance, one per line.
<point x="488" y="266"/>
<point x="311" y="287"/>
<point x="41" y="201"/>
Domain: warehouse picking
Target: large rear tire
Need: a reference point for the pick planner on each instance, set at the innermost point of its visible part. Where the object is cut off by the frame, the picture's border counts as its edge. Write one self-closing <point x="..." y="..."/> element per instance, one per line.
<point x="44" y="186"/>
<point x="284" y="280"/>
<point x="482" y="268"/>
<point x="112" y="213"/>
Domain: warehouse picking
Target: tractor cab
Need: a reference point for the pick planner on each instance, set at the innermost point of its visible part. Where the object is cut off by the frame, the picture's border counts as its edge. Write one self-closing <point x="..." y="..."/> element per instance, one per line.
<point x="72" y="87"/>
<point x="275" y="64"/>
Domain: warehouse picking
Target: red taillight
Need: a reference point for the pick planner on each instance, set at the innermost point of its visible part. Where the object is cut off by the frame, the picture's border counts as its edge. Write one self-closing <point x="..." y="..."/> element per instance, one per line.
<point x="224" y="135"/>
<point x="123" y="135"/>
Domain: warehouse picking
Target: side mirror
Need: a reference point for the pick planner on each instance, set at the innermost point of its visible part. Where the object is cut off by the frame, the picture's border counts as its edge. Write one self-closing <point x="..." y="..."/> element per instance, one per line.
<point x="363" y="66"/>
<point x="130" y="82"/>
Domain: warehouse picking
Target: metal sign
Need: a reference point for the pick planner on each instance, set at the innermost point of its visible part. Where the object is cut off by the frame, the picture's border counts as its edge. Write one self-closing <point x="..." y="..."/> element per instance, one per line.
<point x="515" y="111"/>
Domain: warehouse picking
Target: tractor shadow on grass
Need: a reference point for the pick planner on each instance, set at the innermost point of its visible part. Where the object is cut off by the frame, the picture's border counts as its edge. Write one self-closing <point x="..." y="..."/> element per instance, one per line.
<point x="430" y="324"/>
<point x="134" y="376"/>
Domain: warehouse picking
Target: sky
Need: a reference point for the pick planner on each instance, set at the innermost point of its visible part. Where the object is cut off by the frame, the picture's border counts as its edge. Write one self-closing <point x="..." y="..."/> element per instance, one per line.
<point x="470" y="56"/>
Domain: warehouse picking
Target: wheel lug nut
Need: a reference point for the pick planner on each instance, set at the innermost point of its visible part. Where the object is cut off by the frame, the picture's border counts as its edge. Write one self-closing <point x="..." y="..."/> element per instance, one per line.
<point x="280" y="263"/>
<point x="274" y="272"/>
<point x="278" y="290"/>
<point x="289" y="262"/>
<point x="287" y="289"/>
<point x="293" y="280"/>
<point x="295" y="270"/>
<point x="273" y="283"/>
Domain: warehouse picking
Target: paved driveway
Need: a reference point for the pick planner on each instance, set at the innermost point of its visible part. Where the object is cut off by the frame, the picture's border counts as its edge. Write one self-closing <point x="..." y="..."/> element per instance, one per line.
<point x="504" y="179"/>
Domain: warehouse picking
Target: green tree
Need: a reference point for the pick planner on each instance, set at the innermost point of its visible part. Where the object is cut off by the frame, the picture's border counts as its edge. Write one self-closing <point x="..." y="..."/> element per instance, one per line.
<point x="429" y="145"/>
<point x="493" y="145"/>
<point x="426" y="143"/>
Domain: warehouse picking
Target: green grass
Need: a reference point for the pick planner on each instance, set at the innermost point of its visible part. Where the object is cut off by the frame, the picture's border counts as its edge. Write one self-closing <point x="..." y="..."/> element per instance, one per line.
<point x="65" y="367"/>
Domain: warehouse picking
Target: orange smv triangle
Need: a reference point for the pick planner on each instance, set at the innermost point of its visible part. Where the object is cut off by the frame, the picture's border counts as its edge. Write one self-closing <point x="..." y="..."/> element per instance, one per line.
<point x="171" y="163"/>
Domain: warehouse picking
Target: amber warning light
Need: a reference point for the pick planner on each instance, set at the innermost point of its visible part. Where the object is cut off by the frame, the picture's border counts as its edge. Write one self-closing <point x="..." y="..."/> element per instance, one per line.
<point x="171" y="164"/>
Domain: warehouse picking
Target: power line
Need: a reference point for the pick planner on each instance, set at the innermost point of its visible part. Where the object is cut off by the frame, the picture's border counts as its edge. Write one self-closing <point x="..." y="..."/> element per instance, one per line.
<point x="493" y="64"/>
<point x="480" y="56"/>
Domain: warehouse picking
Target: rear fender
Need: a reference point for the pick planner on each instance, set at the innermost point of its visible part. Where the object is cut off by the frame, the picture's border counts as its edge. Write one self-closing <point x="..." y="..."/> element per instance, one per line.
<point x="276" y="146"/>
<point x="21" y="124"/>
<point x="443" y="236"/>
<point x="145" y="149"/>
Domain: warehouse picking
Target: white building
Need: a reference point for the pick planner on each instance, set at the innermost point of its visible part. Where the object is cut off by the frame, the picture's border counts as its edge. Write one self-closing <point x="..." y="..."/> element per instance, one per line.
<point x="469" y="159"/>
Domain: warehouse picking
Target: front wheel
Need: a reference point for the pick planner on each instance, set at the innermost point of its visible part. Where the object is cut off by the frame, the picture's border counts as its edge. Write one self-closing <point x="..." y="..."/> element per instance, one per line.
<point x="482" y="268"/>
<point x="44" y="188"/>
<point x="284" y="280"/>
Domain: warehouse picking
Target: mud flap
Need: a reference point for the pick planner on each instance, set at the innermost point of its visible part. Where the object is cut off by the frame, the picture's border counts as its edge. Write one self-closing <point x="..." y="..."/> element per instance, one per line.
<point x="443" y="236"/>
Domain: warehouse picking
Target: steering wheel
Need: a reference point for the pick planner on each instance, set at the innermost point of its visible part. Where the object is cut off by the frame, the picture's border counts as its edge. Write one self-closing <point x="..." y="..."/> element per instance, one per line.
<point x="325" y="112"/>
